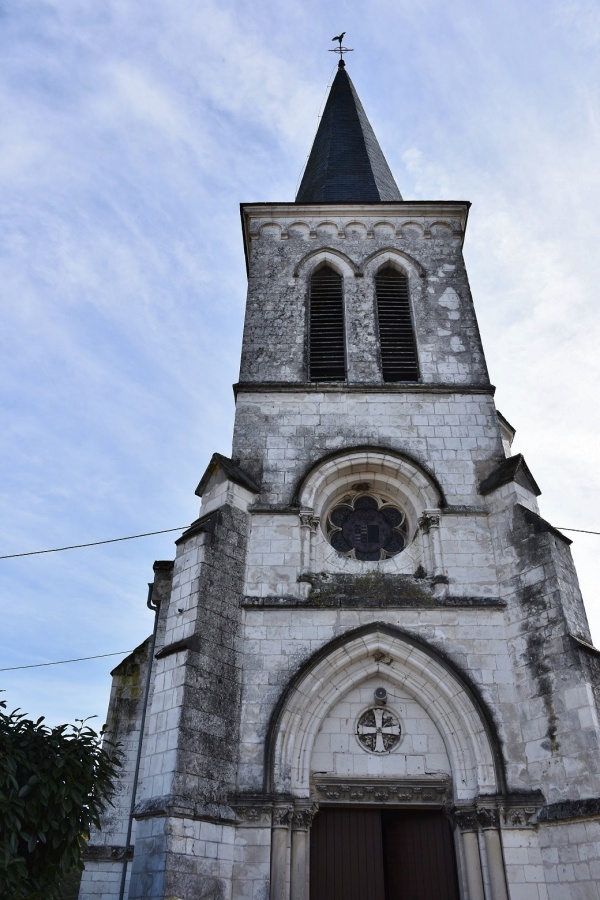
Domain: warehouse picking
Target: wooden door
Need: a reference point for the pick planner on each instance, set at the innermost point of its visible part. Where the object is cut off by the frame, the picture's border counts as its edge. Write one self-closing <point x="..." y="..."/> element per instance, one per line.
<point x="419" y="858"/>
<point x="346" y="855"/>
<point x="371" y="854"/>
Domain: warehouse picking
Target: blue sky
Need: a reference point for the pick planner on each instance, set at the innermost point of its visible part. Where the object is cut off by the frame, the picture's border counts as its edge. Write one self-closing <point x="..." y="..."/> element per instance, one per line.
<point x="131" y="133"/>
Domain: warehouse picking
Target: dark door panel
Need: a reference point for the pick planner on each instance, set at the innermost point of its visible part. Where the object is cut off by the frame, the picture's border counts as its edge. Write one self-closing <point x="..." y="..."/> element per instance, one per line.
<point x="346" y="855"/>
<point x="372" y="854"/>
<point x="419" y="856"/>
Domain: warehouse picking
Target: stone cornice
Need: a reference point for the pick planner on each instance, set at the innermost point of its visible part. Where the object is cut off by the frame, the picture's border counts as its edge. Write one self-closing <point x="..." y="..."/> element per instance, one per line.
<point x="307" y="387"/>
<point x="380" y="211"/>
<point x="422" y="212"/>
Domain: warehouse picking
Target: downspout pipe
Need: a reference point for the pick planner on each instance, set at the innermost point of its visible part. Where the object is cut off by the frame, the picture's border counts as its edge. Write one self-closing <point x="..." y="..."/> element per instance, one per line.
<point x="155" y="607"/>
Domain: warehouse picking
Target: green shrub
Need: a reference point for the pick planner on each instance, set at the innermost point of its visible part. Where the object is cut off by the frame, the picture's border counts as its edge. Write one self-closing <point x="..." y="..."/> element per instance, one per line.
<point x="54" y="784"/>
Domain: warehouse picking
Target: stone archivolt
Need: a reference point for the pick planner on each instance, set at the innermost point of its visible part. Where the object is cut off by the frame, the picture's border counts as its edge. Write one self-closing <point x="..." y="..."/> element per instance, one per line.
<point x="434" y="686"/>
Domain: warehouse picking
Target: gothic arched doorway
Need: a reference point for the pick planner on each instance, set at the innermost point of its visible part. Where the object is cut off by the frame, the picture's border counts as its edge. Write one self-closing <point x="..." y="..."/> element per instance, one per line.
<point x="374" y="742"/>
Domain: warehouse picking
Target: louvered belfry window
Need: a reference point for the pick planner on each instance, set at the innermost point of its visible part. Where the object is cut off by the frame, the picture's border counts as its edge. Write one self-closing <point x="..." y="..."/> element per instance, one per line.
<point x="327" y="351"/>
<point x="397" y="340"/>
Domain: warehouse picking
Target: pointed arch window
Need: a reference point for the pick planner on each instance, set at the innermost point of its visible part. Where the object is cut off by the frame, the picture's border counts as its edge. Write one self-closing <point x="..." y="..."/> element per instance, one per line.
<point x="326" y="338"/>
<point x="396" y="334"/>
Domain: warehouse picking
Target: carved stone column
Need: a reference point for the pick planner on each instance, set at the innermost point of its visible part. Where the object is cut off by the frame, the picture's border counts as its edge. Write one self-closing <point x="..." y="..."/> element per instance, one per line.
<point x="308" y="529"/>
<point x="489" y="821"/>
<point x="429" y="523"/>
<point x="466" y="822"/>
<point x="300" y="873"/>
<point x="282" y="819"/>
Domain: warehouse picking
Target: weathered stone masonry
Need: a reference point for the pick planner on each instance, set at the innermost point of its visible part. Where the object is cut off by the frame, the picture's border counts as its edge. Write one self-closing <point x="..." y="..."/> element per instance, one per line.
<point x="271" y="643"/>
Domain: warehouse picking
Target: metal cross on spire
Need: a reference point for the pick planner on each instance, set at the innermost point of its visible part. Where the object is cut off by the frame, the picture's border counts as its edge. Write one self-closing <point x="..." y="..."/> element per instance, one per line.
<point x="341" y="50"/>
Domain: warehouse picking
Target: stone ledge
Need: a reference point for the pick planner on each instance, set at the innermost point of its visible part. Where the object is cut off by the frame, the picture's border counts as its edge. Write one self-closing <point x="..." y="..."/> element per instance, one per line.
<point x="374" y="590"/>
<point x="189" y="643"/>
<point x="107" y="853"/>
<point x="408" y="387"/>
<point x="336" y="602"/>
<point x="568" y="810"/>
<point x="463" y="510"/>
<point x="204" y="525"/>
<point x="173" y="806"/>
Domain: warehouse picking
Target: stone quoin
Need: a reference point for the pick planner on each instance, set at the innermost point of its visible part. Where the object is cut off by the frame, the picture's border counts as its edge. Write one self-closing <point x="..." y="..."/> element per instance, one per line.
<point x="371" y="673"/>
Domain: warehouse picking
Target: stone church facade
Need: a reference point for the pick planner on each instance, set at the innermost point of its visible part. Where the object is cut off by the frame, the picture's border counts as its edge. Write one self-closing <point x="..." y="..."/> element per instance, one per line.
<point x="371" y="674"/>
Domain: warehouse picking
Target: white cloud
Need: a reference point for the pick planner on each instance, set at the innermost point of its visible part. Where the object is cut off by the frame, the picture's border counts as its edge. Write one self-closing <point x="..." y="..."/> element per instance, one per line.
<point x="134" y="132"/>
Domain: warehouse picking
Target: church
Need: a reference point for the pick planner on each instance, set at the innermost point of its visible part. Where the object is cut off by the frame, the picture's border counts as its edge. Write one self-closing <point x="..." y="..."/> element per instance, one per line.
<point x="371" y="674"/>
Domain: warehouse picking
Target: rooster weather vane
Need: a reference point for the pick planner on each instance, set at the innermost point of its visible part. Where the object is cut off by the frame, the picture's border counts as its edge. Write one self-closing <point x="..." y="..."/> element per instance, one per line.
<point x="341" y="50"/>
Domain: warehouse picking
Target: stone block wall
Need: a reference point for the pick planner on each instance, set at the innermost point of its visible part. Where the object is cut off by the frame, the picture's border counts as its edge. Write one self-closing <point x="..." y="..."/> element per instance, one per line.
<point x="279" y="436"/>
<point x="283" y="244"/>
<point x="108" y="852"/>
<point x="193" y="730"/>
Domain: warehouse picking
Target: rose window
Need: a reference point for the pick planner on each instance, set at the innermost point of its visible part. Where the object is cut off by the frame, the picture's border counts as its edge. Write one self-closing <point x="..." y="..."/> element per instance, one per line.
<point x="367" y="528"/>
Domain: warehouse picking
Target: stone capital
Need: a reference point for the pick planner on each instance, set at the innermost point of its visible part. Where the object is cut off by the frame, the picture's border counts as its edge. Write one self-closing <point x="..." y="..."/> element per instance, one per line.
<point x="282" y="816"/>
<point x="309" y="520"/>
<point x="303" y="816"/>
<point x="429" y="520"/>
<point x="465" y="818"/>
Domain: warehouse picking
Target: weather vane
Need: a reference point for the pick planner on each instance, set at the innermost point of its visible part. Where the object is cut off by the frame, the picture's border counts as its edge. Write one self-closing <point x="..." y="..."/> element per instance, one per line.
<point x="341" y="50"/>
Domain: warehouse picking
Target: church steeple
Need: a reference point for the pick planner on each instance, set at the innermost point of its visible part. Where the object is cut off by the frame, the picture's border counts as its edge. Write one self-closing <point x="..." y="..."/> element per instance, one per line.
<point x="346" y="163"/>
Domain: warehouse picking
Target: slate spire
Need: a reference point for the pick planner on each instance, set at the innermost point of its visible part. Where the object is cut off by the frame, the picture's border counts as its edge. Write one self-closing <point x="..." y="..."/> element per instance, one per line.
<point x="346" y="164"/>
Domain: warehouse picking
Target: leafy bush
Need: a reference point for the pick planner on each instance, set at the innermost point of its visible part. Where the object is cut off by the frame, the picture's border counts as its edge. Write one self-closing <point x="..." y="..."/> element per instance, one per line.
<point x="54" y="784"/>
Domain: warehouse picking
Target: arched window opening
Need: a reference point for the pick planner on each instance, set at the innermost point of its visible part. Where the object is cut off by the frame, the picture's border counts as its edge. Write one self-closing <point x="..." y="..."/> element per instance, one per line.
<point x="327" y="351"/>
<point x="396" y="335"/>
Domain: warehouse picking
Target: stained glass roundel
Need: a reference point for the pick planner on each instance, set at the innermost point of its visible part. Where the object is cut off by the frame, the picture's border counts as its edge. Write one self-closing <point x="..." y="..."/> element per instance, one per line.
<point x="367" y="528"/>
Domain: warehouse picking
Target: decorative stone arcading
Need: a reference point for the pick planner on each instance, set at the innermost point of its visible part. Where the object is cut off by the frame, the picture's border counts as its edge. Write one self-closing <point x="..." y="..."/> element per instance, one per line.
<point x="353" y="228"/>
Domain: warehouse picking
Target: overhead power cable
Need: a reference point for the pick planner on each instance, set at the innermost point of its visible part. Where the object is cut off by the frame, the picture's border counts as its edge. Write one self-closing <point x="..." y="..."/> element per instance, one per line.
<point x="580" y="530"/>
<point x="60" y="662"/>
<point x="130" y="537"/>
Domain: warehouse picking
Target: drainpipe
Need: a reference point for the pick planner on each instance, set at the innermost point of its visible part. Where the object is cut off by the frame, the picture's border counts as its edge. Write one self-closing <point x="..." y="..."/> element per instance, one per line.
<point x="155" y="607"/>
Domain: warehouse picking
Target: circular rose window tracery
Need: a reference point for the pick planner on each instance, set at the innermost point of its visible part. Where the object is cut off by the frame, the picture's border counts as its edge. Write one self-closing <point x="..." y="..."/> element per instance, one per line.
<point x="367" y="528"/>
<point x="378" y="730"/>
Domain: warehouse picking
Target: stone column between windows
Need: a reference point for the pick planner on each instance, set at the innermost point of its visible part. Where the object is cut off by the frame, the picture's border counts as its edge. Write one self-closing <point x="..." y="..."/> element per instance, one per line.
<point x="429" y="524"/>
<point x="308" y="531"/>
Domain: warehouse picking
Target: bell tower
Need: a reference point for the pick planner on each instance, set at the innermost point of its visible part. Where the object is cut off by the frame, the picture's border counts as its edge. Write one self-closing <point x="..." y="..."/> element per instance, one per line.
<point x="372" y="672"/>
